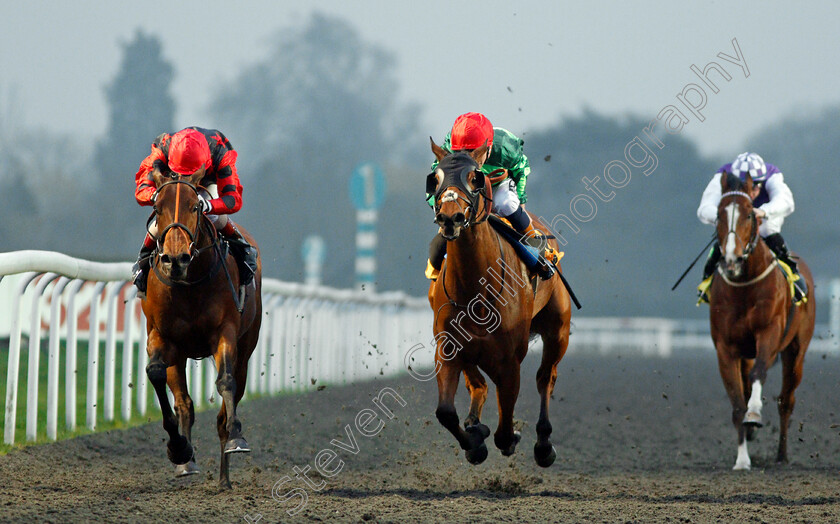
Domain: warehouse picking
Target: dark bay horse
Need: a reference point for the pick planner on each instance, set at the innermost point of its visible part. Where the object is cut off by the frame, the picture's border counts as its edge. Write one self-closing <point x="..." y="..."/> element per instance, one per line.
<point x="191" y="312"/>
<point x="753" y="319"/>
<point x="485" y="310"/>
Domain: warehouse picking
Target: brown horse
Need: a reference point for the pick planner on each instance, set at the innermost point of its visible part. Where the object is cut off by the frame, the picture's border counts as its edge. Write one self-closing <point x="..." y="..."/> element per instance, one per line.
<point x="485" y="310"/>
<point x="753" y="319"/>
<point x="191" y="312"/>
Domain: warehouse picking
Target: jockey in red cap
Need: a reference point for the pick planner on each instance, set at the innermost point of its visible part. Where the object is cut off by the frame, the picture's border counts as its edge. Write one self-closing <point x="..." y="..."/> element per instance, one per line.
<point x="185" y="153"/>
<point x="470" y="131"/>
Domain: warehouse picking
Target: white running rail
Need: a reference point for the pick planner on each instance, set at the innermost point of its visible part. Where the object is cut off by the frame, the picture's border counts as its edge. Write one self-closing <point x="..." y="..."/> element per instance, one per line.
<point x="310" y="336"/>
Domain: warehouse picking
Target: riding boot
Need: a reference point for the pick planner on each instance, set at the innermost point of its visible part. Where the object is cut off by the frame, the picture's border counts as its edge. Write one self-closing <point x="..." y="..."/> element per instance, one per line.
<point x="777" y="244"/>
<point x="708" y="271"/>
<point x="521" y="222"/>
<point x="140" y="269"/>
<point x="437" y="252"/>
<point x="243" y="252"/>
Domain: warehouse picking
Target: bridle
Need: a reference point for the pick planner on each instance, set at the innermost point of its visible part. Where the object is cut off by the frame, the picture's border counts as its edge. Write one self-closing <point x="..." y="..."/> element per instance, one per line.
<point x="753" y="241"/>
<point x="202" y="223"/>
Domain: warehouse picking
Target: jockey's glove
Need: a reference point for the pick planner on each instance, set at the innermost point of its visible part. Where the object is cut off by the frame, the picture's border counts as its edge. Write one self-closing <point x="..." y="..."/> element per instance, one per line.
<point x="204" y="204"/>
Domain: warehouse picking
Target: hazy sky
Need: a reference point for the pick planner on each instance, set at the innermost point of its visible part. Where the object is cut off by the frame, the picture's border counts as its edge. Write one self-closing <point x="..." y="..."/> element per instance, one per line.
<point x="524" y="64"/>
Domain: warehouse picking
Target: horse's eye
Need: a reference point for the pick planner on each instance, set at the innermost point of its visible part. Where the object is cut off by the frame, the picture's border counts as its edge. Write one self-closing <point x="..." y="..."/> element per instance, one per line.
<point x="157" y="210"/>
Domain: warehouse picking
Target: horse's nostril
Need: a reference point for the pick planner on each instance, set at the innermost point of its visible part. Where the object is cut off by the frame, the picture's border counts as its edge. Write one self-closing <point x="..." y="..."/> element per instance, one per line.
<point x="459" y="218"/>
<point x="165" y="259"/>
<point x="183" y="259"/>
<point x="440" y="218"/>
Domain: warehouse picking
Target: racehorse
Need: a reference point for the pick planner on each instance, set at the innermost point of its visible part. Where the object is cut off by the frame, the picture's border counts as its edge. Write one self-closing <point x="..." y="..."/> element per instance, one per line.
<point x="485" y="310"/>
<point x="753" y="318"/>
<point x="191" y="312"/>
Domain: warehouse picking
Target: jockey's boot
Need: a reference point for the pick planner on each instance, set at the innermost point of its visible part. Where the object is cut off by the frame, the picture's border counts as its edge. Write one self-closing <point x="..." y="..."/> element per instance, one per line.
<point x="708" y="272"/>
<point x="521" y="222"/>
<point x="437" y="252"/>
<point x="777" y="244"/>
<point x="140" y="269"/>
<point x="243" y="252"/>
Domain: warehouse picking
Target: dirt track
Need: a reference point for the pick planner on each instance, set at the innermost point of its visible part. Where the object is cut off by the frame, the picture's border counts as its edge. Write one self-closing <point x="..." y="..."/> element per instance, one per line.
<point x="637" y="440"/>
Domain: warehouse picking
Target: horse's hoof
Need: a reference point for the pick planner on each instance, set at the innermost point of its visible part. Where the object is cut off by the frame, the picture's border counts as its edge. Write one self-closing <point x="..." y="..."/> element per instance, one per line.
<point x="184" y="470"/>
<point x="544" y="454"/>
<point x="510" y="450"/>
<point x="479" y="429"/>
<point x="237" y="445"/>
<point x="179" y="451"/>
<point x="477" y="455"/>
<point x="753" y="419"/>
<point x="741" y="467"/>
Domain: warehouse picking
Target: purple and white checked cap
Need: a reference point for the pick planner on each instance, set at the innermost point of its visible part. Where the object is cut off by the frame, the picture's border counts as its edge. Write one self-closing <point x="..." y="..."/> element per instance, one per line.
<point x="749" y="163"/>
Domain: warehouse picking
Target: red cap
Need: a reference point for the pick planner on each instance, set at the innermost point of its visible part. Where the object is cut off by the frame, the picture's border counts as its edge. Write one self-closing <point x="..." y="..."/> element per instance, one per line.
<point x="188" y="152"/>
<point x="470" y="131"/>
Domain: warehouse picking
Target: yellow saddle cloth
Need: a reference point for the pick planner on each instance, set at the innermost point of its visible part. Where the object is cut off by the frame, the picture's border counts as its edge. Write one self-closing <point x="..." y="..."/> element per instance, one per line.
<point x="791" y="277"/>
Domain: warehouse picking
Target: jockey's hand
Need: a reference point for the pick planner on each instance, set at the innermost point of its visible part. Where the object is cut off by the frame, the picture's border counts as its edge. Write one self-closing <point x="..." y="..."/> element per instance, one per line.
<point x="760" y="213"/>
<point x="204" y="204"/>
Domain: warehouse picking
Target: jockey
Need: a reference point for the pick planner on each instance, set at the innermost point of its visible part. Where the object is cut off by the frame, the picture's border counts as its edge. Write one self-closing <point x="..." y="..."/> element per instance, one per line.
<point x="469" y="132"/>
<point x="186" y="152"/>
<point x="772" y="202"/>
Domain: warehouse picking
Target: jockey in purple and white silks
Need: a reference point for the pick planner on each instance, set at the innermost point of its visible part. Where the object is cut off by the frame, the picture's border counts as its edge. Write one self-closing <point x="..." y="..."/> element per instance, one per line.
<point x="772" y="201"/>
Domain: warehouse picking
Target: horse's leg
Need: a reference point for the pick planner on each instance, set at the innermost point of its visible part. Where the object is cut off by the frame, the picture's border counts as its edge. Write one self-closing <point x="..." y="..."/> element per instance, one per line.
<point x="554" y="347"/>
<point x="178" y="449"/>
<point x="176" y="378"/>
<point x="792" y="360"/>
<point x="471" y="440"/>
<point x="230" y="390"/>
<point x="766" y="343"/>
<point x="746" y="367"/>
<point x="507" y="391"/>
<point x="730" y="372"/>
<point x="477" y="387"/>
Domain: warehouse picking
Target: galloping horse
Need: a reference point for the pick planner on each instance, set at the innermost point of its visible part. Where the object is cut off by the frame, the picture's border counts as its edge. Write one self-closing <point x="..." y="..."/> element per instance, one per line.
<point x="485" y="310"/>
<point x="753" y="318"/>
<point x="191" y="312"/>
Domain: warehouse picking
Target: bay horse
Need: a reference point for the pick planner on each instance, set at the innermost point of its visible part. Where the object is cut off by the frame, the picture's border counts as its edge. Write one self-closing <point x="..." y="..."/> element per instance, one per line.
<point x="753" y="318"/>
<point x="191" y="312"/>
<point x="485" y="311"/>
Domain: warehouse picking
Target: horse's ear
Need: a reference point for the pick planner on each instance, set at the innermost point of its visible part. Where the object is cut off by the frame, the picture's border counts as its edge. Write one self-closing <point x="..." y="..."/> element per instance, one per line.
<point x="478" y="154"/>
<point x="437" y="150"/>
<point x="724" y="177"/>
<point x="748" y="184"/>
<point x="195" y="178"/>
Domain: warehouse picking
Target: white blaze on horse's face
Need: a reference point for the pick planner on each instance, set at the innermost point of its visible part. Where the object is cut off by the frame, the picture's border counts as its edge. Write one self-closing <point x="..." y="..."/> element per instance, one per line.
<point x="732" y="216"/>
<point x="449" y="196"/>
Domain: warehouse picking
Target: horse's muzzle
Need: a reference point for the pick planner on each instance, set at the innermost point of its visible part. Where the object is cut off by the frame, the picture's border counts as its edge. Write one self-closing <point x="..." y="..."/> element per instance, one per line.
<point x="175" y="265"/>
<point x="450" y="227"/>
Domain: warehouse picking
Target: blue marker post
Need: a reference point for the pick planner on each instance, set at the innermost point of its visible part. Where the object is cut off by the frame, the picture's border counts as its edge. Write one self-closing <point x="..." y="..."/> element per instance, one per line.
<point x="367" y="191"/>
